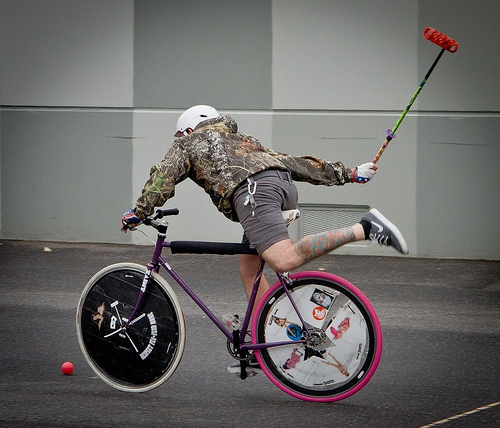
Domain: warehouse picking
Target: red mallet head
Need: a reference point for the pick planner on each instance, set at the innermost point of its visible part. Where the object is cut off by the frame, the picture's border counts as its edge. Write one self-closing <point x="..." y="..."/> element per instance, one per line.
<point x="67" y="368"/>
<point x="441" y="39"/>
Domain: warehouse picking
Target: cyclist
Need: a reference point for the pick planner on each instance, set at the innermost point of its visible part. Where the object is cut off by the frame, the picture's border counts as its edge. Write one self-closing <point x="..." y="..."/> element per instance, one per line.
<point x="252" y="184"/>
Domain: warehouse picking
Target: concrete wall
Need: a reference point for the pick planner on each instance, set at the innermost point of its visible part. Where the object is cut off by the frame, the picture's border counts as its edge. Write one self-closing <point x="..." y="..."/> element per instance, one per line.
<point x="458" y="146"/>
<point x="187" y="51"/>
<point x="69" y="182"/>
<point x="90" y="92"/>
<point x="66" y="53"/>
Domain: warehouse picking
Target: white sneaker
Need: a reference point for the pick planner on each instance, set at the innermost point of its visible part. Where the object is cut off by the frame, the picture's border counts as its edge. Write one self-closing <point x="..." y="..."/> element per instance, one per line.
<point x="252" y="366"/>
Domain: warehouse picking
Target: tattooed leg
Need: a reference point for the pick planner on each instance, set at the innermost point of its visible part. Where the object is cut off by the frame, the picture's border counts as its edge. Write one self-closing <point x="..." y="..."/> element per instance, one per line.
<point x="313" y="246"/>
<point x="285" y="256"/>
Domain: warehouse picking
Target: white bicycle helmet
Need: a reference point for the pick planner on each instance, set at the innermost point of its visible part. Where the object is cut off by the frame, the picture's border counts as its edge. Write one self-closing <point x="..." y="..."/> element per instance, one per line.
<point x="193" y="116"/>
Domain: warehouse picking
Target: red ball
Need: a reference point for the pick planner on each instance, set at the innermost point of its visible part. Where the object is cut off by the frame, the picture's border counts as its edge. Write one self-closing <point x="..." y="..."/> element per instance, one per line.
<point x="67" y="368"/>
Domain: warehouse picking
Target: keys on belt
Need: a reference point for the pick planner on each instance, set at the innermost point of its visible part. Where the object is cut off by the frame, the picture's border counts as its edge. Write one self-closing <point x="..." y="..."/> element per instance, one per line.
<point x="252" y="184"/>
<point x="249" y="199"/>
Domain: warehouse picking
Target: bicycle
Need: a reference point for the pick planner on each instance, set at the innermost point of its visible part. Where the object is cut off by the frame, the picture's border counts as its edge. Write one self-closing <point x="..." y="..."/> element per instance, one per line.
<point x="314" y="334"/>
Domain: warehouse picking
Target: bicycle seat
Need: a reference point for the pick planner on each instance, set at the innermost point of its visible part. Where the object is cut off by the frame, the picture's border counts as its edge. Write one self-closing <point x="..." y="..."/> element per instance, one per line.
<point x="290" y="215"/>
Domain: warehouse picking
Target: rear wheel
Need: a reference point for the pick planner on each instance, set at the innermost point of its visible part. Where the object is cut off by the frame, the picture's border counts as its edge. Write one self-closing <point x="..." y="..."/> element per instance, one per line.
<point x="345" y="343"/>
<point x="146" y="353"/>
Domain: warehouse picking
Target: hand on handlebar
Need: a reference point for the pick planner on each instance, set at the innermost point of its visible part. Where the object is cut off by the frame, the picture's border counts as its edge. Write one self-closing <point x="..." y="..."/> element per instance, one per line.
<point x="130" y="221"/>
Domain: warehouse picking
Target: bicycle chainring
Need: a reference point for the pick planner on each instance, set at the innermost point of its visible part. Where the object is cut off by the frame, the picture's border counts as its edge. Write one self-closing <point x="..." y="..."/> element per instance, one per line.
<point x="235" y="353"/>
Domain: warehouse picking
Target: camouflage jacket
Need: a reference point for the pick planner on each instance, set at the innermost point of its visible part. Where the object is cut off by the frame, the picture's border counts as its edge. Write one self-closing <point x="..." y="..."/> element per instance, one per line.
<point x="219" y="158"/>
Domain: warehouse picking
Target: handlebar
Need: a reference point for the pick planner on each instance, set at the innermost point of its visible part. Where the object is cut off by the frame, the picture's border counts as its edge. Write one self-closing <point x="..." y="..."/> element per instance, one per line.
<point x="164" y="213"/>
<point x="160" y="226"/>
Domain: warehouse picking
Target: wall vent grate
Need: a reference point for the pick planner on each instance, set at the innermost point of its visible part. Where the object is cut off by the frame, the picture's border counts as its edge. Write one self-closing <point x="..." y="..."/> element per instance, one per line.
<point x="316" y="218"/>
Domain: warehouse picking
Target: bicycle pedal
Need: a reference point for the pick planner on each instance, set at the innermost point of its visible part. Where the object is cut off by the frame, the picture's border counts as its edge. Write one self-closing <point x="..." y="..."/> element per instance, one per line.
<point x="248" y="374"/>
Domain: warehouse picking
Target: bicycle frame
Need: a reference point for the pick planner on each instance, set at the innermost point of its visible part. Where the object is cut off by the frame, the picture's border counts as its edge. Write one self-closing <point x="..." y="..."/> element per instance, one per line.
<point x="299" y="336"/>
<point x="157" y="261"/>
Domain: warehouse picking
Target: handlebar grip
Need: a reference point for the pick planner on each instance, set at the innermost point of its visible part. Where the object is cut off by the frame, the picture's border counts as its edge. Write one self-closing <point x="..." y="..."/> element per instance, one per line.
<point x="441" y="39"/>
<point x="163" y="213"/>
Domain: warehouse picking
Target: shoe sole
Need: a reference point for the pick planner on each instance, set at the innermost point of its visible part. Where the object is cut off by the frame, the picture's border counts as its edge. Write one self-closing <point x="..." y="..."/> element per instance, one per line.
<point x="393" y="228"/>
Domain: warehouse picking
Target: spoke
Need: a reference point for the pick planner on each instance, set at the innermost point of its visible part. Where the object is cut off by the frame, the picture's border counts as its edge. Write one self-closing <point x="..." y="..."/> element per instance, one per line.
<point x="137" y="319"/>
<point x="111" y="334"/>
<point x="114" y="305"/>
<point x="135" y="347"/>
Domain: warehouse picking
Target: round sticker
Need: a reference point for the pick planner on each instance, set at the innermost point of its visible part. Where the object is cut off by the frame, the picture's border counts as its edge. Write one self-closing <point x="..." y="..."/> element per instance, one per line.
<point x="319" y="313"/>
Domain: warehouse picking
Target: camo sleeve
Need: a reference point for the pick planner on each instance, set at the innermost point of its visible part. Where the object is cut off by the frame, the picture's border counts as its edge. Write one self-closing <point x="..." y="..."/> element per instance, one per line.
<point x="160" y="187"/>
<point x="315" y="170"/>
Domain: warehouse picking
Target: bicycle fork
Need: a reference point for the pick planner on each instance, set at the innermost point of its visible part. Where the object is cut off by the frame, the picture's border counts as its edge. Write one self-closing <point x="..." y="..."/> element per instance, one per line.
<point x="152" y="266"/>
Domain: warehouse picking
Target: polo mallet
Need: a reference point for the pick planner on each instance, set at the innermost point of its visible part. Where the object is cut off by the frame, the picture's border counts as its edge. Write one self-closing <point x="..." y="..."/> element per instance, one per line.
<point x="447" y="44"/>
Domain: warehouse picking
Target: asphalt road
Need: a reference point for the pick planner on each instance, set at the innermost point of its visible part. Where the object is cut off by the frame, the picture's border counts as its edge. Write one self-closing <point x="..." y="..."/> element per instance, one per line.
<point x="440" y="364"/>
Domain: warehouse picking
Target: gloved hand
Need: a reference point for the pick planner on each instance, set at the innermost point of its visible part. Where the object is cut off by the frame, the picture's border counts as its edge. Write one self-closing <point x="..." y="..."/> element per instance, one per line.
<point x="364" y="173"/>
<point x="130" y="220"/>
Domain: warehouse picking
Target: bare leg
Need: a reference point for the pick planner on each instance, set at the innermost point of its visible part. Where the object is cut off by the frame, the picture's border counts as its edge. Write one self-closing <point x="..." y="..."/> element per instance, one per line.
<point x="285" y="256"/>
<point x="248" y="268"/>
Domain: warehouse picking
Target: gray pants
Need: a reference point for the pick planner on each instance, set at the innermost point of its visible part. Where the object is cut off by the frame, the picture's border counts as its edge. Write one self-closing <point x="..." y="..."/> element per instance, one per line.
<point x="261" y="217"/>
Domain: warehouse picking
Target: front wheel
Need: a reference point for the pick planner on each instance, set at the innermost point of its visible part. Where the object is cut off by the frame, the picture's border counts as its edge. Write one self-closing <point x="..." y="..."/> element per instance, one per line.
<point x="343" y="338"/>
<point x="144" y="354"/>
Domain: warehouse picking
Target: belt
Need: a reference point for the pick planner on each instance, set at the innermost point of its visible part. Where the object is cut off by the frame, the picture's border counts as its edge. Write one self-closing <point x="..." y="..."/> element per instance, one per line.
<point x="283" y="175"/>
